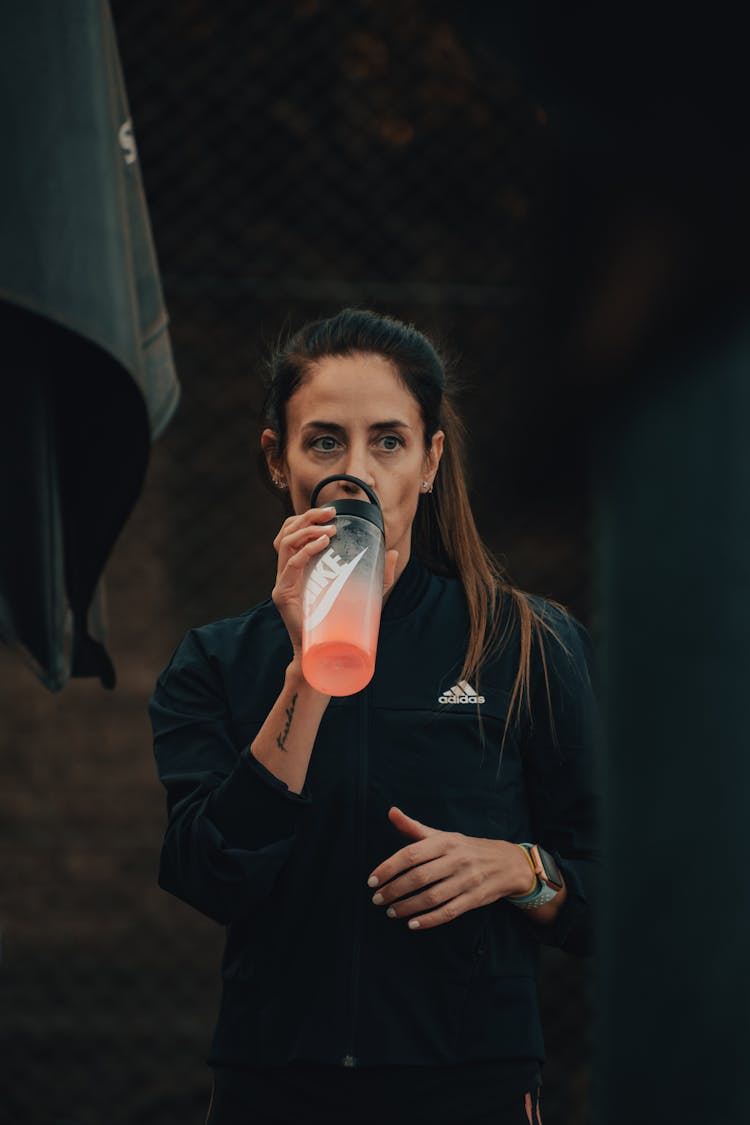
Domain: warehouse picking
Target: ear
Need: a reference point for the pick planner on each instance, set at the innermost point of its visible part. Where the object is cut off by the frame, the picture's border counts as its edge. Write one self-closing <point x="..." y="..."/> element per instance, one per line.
<point x="269" y="442"/>
<point x="433" y="454"/>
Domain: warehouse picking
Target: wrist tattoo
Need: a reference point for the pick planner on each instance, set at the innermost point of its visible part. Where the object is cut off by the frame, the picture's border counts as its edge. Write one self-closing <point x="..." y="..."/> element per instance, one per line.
<point x="281" y="738"/>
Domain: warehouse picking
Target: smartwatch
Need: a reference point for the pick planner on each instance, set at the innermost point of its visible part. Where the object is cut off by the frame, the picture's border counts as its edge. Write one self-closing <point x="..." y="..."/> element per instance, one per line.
<point x="549" y="880"/>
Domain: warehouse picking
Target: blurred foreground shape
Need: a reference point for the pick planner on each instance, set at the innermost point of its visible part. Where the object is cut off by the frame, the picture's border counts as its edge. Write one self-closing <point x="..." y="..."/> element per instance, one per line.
<point x="88" y="375"/>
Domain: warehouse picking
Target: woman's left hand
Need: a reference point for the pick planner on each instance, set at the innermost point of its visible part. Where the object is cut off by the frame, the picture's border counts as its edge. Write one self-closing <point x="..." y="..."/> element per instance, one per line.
<point x="446" y="874"/>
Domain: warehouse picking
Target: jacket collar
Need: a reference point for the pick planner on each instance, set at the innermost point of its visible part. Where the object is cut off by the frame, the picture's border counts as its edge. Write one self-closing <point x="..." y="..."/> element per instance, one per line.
<point x="408" y="591"/>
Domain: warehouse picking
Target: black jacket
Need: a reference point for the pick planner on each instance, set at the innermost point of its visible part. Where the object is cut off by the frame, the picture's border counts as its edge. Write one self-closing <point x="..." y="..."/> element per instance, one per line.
<point x="312" y="970"/>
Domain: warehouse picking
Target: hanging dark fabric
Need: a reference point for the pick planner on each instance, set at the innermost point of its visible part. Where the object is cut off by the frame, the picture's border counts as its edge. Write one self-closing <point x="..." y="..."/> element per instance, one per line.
<point x="88" y="379"/>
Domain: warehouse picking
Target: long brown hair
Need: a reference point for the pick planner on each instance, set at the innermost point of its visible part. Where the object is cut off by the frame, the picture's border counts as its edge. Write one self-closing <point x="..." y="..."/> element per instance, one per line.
<point x="444" y="536"/>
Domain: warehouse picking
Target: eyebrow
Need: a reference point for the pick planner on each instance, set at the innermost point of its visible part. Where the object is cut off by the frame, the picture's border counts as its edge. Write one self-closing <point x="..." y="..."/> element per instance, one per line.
<point x="393" y="424"/>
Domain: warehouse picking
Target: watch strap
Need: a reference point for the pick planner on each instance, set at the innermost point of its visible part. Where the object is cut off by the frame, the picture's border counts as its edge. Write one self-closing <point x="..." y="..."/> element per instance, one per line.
<point x="540" y="895"/>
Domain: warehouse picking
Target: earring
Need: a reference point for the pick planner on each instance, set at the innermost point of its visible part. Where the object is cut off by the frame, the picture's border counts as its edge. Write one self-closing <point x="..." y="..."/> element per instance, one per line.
<point x="279" y="482"/>
<point x="426" y="486"/>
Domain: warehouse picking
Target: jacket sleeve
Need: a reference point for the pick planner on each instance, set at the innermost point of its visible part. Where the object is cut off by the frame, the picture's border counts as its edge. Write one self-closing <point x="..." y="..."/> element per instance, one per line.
<point x="231" y="823"/>
<point x="562" y="779"/>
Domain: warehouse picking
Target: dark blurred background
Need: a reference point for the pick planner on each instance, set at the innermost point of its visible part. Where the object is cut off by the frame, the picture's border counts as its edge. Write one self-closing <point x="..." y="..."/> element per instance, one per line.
<point x="298" y="156"/>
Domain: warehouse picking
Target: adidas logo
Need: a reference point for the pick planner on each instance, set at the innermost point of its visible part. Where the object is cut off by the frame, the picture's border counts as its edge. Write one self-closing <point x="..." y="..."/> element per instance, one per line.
<point x="463" y="692"/>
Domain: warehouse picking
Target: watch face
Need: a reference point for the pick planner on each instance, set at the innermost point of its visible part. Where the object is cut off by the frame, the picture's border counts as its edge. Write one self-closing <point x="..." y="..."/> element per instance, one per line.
<point x="551" y="870"/>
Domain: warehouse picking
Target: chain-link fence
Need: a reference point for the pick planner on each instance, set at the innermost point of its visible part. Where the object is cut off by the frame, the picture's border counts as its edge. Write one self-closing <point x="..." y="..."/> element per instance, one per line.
<point x="298" y="155"/>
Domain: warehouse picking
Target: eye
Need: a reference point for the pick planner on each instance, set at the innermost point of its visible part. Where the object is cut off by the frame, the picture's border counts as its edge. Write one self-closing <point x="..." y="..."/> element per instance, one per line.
<point x="324" y="444"/>
<point x="390" y="442"/>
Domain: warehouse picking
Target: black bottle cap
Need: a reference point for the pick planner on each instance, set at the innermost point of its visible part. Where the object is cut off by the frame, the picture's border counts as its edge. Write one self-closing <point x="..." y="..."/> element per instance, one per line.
<point x="366" y="511"/>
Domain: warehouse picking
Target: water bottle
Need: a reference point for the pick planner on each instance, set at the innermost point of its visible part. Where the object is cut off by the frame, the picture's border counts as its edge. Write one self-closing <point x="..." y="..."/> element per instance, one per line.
<point x="343" y="596"/>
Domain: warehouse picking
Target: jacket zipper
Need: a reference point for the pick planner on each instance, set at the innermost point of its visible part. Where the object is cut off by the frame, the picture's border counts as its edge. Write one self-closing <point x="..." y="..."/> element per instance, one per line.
<point x="350" y="1058"/>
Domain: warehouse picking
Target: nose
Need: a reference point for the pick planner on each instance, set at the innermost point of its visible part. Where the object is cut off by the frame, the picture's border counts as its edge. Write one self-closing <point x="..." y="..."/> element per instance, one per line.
<point x="349" y="488"/>
<point x="356" y="462"/>
<point x="357" y="465"/>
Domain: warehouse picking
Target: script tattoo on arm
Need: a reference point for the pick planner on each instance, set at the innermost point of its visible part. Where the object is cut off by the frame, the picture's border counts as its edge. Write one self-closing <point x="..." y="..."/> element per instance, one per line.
<point x="281" y="738"/>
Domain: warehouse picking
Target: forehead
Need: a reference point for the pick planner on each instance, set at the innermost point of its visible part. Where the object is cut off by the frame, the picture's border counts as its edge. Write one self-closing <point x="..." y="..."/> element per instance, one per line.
<point x="350" y="389"/>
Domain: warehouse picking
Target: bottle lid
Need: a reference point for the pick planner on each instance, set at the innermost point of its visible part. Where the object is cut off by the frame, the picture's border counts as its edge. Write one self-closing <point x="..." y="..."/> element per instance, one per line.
<point x="365" y="510"/>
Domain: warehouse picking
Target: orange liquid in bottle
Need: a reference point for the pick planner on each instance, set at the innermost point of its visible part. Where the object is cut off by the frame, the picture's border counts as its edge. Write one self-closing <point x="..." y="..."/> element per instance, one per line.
<point x="338" y="655"/>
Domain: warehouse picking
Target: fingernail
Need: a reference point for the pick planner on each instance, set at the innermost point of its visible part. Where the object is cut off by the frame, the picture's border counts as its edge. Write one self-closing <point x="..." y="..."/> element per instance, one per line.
<point x="414" y="924"/>
<point x="377" y="899"/>
<point x="391" y="912"/>
<point x="372" y="881"/>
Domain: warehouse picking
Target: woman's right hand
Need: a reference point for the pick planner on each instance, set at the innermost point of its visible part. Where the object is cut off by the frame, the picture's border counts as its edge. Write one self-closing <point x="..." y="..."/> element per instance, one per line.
<point x="300" y="538"/>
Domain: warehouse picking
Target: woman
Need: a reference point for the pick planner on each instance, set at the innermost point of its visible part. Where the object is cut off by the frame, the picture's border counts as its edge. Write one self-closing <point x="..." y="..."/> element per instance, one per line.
<point x="364" y="852"/>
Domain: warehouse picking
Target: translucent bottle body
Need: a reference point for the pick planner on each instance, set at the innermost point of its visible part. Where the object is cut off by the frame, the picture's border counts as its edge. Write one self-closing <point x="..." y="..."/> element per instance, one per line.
<point x="342" y="604"/>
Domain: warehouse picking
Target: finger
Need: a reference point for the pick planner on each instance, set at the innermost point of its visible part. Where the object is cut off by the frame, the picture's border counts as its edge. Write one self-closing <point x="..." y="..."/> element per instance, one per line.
<point x="301" y="519"/>
<point x="445" y="913"/>
<point x="432" y="898"/>
<point x="413" y="854"/>
<point x="415" y="879"/>
<point x="288" y="584"/>
<point x="305" y="519"/>
<point x="299" y="560"/>
<point x="408" y="825"/>
<point x="311" y="519"/>
<point x="291" y="543"/>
